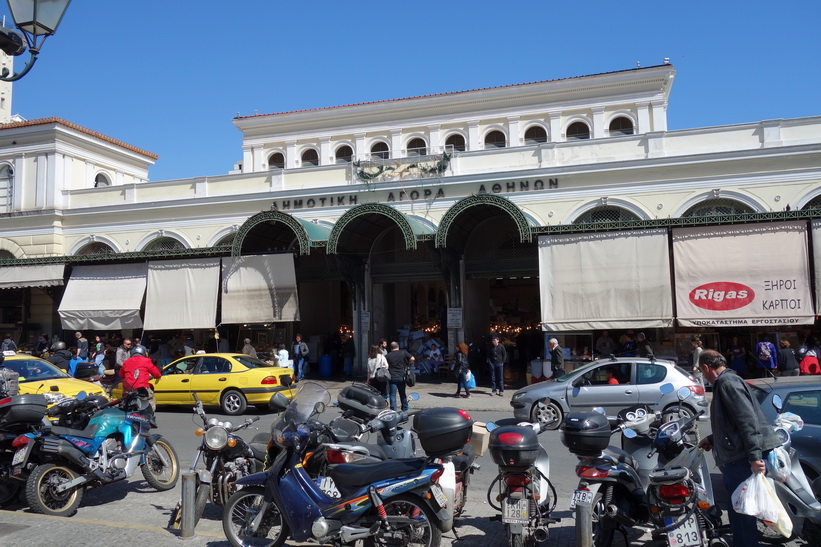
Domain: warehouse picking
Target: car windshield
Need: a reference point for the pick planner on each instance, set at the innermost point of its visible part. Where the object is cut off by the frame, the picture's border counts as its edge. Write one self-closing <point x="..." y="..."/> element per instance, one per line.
<point x="758" y="393"/>
<point x="33" y="370"/>
<point x="251" y="362"/>
<point x="575" y="372"/>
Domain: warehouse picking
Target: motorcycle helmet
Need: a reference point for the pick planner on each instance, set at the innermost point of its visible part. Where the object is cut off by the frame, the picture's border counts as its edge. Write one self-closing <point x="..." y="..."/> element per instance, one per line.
<point x="139" y="350"/>
<point x="57" y="346"/>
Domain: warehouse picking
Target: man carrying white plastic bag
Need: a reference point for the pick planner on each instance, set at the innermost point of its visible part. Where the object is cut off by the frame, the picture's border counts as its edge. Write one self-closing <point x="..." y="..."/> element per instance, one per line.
<point x="740" y="441"/>
<point x="756" y="497"/>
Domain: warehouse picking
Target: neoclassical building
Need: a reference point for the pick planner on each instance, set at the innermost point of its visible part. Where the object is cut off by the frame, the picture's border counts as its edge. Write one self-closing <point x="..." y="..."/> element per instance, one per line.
<point x="565" y="205"/>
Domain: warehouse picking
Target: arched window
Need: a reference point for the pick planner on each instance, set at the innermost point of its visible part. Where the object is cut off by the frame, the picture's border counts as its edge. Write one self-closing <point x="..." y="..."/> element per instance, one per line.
<point x="344" y="154"/>
<point x="535" y="135"/>
<point x="621" y="126"/>
<point x="578" y="131"/>
<point x="717" y="206"/>
<point x="495" y="139"/>
<point x="456" y="142"/>
<point x="417" y="147"/>
<point x="380" y="150"/>
<point x="605" y="213"/>
<point x="164" y="244"/>
<point x="310" y="158"/>
<point x="5" y="255"/>
<point x="101" y="181"/>
<point x="276" y="161"/>
<point x="6" y="187"/>
<point x="814" y="203"/>
<point x="95" y="248"/>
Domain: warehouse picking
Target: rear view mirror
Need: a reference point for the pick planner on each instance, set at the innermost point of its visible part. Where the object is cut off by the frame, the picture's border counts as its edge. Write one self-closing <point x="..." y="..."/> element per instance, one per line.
<point x="490" y="426"/>
<point x="413" y="396"/>
<point x="629" y="433"/>
<point x="319" y="408"/>
<point x="81" y="396"/>
<point x="683" y="393"/>
<point x="278" y="402"/>
<point x="666" y="388"/>
<point x="778" y="403"/>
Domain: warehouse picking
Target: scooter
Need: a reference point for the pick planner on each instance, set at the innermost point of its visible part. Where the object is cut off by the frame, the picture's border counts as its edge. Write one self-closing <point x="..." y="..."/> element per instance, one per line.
<point x="791" y="484"/>
<point x="525" y="495"/>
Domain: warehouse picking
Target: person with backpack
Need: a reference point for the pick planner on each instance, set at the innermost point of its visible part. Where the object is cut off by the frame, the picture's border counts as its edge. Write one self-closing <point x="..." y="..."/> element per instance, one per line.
<point x="787" y="363"/>
<point x="767" y="356"/>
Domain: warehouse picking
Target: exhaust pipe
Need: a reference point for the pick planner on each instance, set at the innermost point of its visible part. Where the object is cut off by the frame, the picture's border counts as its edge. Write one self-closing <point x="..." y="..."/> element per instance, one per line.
<point x="613" y="512"/>
<point x="540" y="534"/>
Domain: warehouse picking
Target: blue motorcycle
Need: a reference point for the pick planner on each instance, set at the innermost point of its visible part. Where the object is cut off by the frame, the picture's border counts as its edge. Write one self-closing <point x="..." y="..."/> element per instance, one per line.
<point x="60" y="462"/>
<point x="396" y="502"/>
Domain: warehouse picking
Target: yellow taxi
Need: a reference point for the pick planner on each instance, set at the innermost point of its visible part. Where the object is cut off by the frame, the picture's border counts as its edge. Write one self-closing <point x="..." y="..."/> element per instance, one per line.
<point x="39" y="376"/>
<point x="231" y="380"/>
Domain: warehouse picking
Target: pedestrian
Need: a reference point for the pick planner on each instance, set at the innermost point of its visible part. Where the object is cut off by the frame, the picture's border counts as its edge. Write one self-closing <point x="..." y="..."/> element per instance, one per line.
<point x="248" y="349"/>
<point x="42" y="346"/>
<point x="643" y="346"/>
<point x="399" y="360"/>
<point x="605" y="346"/>
<point x="223" y="346"/>
<point x="766" y="355"/>
<point x="383" y="346"/>
<point x="136" y="371"/>
<point x="165" y="353"/>
<point x="123" y="353"/>
<point x="98" y="353"/>
<point x="737" y="356"/>
<point x="189" y="346"/>
<point x="787" y="363"/>
<point x="300" y="356"/>
<point x="377" y="362"/>
<point x="808" y="354"/>
<point x="82" y="346"/>
<point x="744" y="433"/>
<point x="283" y="358"/>
<point x="556" y="358"/>
<point x="629" y="347"/>
<point x="496" y="359"/>
<point x="462" y="368"/>
<point x="8" y="344"/>
<point x="695" y="352"/>
<point x="348" y="352"/>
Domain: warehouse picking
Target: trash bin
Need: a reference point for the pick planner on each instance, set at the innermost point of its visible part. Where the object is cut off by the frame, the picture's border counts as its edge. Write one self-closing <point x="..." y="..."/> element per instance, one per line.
<point x="325" y="366"/>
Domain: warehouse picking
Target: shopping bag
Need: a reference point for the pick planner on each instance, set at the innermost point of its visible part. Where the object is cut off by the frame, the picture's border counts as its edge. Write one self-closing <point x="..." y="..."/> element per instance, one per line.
<point x="471" y="379"/>
<point x="756" y="497"/>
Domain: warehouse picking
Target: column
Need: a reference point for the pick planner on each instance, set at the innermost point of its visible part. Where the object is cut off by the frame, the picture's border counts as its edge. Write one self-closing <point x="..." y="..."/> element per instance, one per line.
<point x="473" y="135"/>
<point x="257" y="154"/>
<point x="290" y="155"/>
<point x="359" y="152"/>
<point x="247" y="159"/>
<point x="514" y="138"/>
<point x="396" y="144"/>
<point x="598" y="123"/>
<point x="643" y="110"/>
<point x="659" y="116"/>
<point x="435" y="138"/>
<point x="556" y="127"/>
<point x="325" y="151"/>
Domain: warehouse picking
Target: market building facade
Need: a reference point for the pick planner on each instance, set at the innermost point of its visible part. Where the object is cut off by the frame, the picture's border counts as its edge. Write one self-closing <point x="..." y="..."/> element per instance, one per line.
<point x="564" y="206"/>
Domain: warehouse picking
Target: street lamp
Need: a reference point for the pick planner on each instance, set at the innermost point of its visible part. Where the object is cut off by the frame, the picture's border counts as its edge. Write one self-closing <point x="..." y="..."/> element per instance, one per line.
<point x="37" y="20"/>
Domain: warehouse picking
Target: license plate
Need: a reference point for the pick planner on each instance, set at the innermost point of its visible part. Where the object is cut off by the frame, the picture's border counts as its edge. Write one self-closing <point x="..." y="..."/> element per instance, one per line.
<point x="515" y="511"/>
<point x="686" y="535"/>
<point x="584" y="496"/>
<point x="19" y="456"/>
<point x="438" y="495"/>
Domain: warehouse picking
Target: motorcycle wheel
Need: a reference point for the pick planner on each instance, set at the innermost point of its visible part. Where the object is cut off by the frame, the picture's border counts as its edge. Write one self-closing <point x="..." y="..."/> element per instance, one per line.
<point x="514" y="540"/>
<point x="41" y="494"/>
<point x="241" y="509"/>
<point x="203" y="495"/>
<point x="602" y="533"/>
<point x="9" y="492"/>
<point x="421" y="533"/>
<point x="160" y="476"/>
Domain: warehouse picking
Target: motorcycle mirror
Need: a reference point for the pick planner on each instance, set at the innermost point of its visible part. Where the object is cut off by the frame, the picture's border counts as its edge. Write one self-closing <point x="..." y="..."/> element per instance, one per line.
<point x="599" y="409"/>
<point x="666" y="388"/>
<point x="778" y="403"/>
<point x="278" y="402"/>
<point x="490" y="426"/>
<point x="683" y="393"/>
<point x="81" y="396"/>
<point x="319" y="408"/>
<point x="630" y="434"/>
<point x="287" y="381"/>
<point x="413" y="396"/>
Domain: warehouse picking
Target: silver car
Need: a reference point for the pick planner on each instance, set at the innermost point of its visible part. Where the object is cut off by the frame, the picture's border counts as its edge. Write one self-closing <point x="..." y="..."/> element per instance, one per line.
<point x="612" y="384"/>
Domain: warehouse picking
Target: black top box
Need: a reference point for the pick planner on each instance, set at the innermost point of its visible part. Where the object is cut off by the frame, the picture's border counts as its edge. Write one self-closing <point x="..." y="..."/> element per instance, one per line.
<point x="442" y="430"/>
<point x="363" y="401"/>
<point x="586" y="433"/>
<point x="22" y="411"/>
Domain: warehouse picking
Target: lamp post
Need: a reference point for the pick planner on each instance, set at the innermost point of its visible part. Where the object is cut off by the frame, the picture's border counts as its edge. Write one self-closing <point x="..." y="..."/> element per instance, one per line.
<point x="36" y="21"/>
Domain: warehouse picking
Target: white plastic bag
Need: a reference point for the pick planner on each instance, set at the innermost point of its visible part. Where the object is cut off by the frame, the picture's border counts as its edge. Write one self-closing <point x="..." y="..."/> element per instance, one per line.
<point x="756" y="497"/>
<point x="468" y="374"/>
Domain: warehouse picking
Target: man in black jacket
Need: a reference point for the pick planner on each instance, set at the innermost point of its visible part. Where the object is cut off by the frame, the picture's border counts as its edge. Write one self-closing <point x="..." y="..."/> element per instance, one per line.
<point x="741" y="436"/>
<point x="60" y="356"/>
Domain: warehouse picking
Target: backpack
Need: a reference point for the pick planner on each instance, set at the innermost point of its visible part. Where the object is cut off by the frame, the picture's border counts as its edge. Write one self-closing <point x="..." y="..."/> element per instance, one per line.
<point x="764" y="352"/>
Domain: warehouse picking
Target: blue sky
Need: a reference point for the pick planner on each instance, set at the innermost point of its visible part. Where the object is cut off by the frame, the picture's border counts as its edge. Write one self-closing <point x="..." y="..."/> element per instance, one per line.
<point x="168" y="76"/>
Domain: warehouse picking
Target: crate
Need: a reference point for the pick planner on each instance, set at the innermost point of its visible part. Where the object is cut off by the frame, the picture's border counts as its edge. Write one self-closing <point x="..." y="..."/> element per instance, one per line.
<point x="479" y="438"/>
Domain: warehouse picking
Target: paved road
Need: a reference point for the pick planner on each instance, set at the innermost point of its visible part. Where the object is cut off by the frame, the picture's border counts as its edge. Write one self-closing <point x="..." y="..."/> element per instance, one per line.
<point x="132" y="512"/>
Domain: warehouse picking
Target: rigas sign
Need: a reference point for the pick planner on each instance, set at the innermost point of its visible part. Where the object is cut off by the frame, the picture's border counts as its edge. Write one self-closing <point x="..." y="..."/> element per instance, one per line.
<point x="722" y="296"/>
<point x="415" y="194"/>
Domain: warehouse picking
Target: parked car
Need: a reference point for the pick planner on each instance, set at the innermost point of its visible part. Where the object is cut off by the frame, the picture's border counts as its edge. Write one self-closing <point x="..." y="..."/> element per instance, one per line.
<point x="802" y="396"/>
<point x="230" y="380"/>
<point x="39" y="376"/>
<point x="638" y="380"/>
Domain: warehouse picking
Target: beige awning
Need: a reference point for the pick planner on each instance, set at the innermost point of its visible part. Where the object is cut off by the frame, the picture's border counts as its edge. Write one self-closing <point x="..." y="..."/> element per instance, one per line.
<point x="182" y="294"/>
<point x="36" y="275"/>
<point x="105" y="297"/>
<point x="259" y="289"/>
<point x="607" y="280"/>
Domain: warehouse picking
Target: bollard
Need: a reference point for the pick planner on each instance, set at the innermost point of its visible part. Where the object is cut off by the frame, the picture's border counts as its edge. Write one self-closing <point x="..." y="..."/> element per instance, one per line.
<point x="584" y="524"/>
<point x="189" y="491"/>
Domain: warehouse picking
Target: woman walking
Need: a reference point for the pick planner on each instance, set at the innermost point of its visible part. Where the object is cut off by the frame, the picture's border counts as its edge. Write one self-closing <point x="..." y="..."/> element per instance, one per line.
<point x="462" y="369"/>
<point x="377" y="361"/>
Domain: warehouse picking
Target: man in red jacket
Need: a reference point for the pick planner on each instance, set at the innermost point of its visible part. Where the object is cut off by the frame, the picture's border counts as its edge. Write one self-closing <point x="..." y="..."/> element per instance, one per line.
<point x="137" y="370"/>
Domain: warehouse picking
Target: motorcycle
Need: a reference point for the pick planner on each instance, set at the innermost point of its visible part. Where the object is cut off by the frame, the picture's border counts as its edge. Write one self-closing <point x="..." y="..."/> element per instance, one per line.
<point x="659" y="478"/>
<point x="395" y="502"/>
<point x="791" y="484"/>
<point x="525" y="494"/>
<point x="61" y="461"/>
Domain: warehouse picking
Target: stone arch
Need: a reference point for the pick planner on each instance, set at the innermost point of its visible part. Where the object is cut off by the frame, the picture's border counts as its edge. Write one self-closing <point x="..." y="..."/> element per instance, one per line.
<point x="12" y="247"/>
<point x="627" y="205"/>
<point x="150" y="238"/>
<point x="483" y="200"/>
<point x="272" y="216"/>
<point x="733" y="195"/>
<point x="79" y="244"/>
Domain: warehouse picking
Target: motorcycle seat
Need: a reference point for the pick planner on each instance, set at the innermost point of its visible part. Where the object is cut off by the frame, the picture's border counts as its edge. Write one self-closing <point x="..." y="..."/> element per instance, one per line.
<point x="461" y="462"/>
<point x="620" y="456"/>
<point x="259" y="450"/>
<point x="361" y="474"/>
<point x="87" y="433"/>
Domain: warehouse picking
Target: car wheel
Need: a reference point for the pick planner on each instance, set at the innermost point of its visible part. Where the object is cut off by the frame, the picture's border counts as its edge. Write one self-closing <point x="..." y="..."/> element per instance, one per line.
<point x="547" y="412"/>
<point x="233" y="402"/>
<point x="673" y="412"/>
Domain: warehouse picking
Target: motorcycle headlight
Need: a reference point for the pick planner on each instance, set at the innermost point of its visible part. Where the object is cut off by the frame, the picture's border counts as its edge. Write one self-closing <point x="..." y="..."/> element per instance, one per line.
<point x="216" y="438"/>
